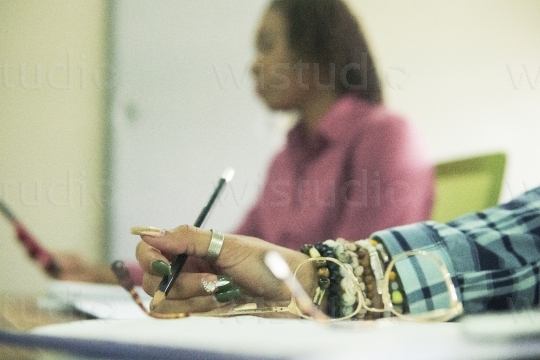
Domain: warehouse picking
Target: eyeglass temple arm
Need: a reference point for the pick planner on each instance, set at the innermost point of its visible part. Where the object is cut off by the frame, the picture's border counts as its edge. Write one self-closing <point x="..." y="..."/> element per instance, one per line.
<point x="456" y="305"/>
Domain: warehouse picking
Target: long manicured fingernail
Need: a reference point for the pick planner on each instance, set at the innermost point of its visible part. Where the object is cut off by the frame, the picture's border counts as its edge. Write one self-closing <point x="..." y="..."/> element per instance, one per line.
<point x="147" y="230"/>
<point x="228" y="295"/>
<point x="224" y="283"/>
<point x="161" y="267"/>
<point x="217" y="283"/>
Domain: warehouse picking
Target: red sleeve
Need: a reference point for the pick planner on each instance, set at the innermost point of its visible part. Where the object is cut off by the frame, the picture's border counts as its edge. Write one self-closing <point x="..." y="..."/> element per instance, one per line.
<point x="394" y="178"/>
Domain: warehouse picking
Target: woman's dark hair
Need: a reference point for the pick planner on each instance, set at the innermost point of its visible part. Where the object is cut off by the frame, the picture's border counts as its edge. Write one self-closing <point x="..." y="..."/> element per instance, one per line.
<point x="325" y="32"/>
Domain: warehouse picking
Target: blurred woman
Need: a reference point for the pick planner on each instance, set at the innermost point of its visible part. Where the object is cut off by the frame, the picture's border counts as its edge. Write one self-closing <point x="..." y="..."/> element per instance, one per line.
<point x="350" y="166"/>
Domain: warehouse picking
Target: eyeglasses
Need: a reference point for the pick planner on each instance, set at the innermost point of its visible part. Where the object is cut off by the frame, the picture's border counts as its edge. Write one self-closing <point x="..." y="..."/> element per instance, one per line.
<point x="440" y="286"/>
<point x="424" y="264"/>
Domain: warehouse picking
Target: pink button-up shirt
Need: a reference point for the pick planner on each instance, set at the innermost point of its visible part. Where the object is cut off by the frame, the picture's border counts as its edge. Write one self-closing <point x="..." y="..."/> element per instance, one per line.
<point x="364" y="170"/>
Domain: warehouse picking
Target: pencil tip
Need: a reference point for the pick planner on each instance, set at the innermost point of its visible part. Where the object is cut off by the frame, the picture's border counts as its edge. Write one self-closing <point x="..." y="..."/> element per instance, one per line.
<point x="159" y="296"/>
<point x="228" y="174"/>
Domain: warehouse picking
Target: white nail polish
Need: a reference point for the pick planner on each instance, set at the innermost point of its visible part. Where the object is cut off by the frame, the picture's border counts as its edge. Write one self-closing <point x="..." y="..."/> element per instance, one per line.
<point x="147" y="230"/>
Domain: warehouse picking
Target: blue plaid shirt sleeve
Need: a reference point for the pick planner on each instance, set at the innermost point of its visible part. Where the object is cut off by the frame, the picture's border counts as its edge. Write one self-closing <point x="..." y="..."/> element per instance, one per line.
<point x="493" y="257"/>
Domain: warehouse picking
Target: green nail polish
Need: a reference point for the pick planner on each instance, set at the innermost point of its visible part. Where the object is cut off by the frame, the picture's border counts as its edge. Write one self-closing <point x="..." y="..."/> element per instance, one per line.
<point x="229" y="295"/>
<point x="224" y="283"/>
<point x="161" y="267"/>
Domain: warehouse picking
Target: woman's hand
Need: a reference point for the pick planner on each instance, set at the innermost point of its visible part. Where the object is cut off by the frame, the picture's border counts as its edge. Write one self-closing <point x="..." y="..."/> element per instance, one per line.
<point x="75" y="268"/>
<point x="241" y="258"/>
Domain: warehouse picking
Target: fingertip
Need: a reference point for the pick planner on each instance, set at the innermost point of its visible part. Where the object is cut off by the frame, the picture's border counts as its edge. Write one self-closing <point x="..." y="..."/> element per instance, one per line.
<point x="161" y="267"/>
<point x="228" y="295"/>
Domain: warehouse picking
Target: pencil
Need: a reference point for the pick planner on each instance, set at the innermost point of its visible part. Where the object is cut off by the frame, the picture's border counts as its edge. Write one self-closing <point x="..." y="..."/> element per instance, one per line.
<point x="35" y="250"/>
<point x="176" y="266"/>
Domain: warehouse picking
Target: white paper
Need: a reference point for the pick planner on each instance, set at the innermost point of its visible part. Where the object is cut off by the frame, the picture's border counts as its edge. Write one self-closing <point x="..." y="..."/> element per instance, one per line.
<point x="120" y="320"/>
<point x="244" y="335"/>
<point x="302" y="339"/>
<point x="98" y="300"/>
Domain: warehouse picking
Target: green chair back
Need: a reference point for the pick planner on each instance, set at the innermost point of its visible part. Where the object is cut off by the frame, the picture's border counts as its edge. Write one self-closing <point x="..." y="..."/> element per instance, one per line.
<point x="467" y="185"/>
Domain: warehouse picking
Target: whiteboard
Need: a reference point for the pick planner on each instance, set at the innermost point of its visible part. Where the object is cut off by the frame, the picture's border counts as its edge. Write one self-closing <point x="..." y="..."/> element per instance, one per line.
<point x="183" y="110"/>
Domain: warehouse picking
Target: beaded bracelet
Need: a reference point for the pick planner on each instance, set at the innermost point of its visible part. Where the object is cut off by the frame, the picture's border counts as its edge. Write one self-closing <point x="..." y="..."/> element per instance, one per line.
<point x="323" y="274"/>
<point x="397" y="294"/>
<point x="371" y="273"/>
<point x="345" y="252"/>
<point x="333" y="300"/>
<point x="367" y="260"/>
<point x="328" y="279"/>
<point x="341" y="294"/>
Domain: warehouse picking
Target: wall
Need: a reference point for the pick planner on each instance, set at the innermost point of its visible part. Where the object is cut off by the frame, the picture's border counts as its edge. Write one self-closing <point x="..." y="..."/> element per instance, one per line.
<point x="184" y="110"/>
<point x="467" y="72"/>
<point x="52" y="61"/>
